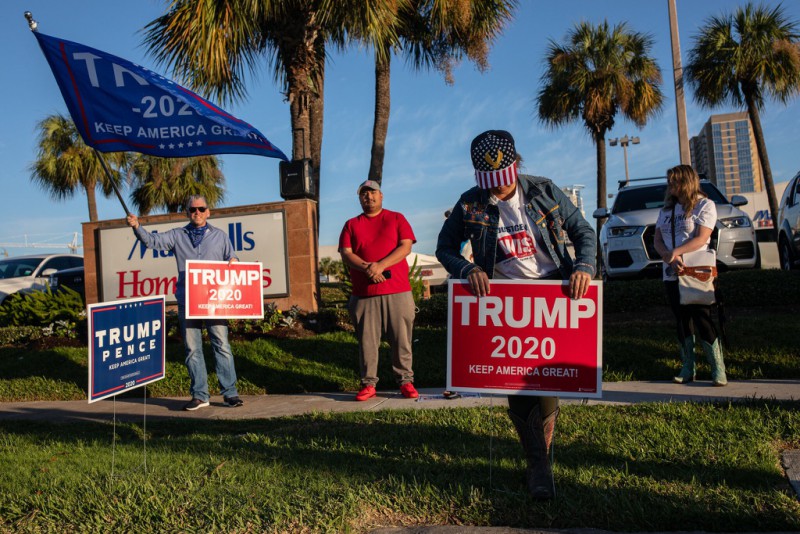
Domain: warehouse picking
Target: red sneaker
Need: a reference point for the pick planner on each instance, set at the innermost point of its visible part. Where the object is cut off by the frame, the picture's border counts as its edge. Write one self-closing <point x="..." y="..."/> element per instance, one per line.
<point x="408" y="391"/>
<point x="367" y="392"/>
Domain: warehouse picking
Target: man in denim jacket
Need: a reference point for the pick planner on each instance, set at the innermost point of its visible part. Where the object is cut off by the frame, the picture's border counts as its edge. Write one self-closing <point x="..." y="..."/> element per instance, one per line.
<point x="518" y="227"/>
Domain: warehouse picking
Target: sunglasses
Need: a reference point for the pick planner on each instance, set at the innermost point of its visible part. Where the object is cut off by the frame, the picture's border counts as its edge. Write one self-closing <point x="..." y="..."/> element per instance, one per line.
<point x="201" y="209"/>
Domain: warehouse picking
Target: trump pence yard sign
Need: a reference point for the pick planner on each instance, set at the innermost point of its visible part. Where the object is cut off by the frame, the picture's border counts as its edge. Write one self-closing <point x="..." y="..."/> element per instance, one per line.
<point x="126" y="345"/>
<point x="218" y="289"/>
<point x="527" y="337"/>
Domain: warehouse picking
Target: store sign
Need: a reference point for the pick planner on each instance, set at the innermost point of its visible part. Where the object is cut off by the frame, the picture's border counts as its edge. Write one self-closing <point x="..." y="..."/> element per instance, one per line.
<point x="128" y="269"/>
<point x="527" y="337"/>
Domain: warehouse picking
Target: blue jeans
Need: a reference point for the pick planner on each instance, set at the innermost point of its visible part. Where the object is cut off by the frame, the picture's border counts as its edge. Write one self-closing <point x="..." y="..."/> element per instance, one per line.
<point x="192" y="333"/>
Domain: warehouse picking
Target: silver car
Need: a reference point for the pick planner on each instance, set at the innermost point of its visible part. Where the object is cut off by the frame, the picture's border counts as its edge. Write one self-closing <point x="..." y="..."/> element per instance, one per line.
<point x="789" y="225"/>
<point x="31" y="273"/>
<point x="626" y="240"/>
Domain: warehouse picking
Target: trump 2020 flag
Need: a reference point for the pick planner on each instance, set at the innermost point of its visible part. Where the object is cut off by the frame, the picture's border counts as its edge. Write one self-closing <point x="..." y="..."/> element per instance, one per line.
<point x="119" y="106"/>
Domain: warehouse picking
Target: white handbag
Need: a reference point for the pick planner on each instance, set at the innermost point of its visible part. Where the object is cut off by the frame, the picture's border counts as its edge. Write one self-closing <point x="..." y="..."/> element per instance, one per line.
<point x="696" y="282"/>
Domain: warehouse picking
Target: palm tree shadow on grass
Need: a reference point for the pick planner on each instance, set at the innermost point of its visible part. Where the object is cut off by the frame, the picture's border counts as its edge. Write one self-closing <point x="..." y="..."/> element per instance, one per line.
<point x="600" y="484"/>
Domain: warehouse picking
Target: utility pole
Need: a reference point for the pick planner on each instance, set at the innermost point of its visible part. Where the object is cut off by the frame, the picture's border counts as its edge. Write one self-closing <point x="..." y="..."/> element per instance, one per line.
<point x="624" y="142"/>
<point x="677" y="71"/>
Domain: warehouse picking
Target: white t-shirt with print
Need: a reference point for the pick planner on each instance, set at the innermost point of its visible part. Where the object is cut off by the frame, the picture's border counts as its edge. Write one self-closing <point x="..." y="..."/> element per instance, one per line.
<point x="521" y="251"/>
<point x="703" y="214"/>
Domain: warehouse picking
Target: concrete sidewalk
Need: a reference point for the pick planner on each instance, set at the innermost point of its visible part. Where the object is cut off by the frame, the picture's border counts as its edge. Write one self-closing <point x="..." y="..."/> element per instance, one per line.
<point x="267" y="406"/>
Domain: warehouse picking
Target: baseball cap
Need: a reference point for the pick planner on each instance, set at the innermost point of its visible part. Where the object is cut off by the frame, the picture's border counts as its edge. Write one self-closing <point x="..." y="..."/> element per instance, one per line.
<point x="371" y="184"/>
<point x="494" y="159"/>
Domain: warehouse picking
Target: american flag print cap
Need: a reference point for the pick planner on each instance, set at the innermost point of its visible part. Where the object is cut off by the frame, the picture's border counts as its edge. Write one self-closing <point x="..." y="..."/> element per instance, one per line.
<point x="494" y="158"/>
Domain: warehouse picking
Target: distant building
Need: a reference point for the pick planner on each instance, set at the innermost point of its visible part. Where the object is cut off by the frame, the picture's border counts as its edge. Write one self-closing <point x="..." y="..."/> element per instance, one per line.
<point x="725" y="152"/>
<point x="573" y="192"/>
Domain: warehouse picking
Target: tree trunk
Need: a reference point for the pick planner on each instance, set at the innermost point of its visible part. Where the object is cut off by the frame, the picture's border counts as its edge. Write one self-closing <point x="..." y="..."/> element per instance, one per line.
<point x="382" y="108"/>
<point x="91" y="199"/>
<point x="769" y="185"/>
<point x="600" y="147"/>
<point x="298" y="109"/>
<point x="316" y="122"/>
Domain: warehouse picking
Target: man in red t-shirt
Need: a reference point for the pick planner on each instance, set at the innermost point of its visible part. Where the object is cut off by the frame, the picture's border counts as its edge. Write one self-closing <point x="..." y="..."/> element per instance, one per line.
<point x="375" y="245"/>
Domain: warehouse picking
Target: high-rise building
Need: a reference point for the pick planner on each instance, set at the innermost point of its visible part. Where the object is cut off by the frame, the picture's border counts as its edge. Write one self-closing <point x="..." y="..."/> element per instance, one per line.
<point x="725" y="152"/>
<point x="573" y="192"/>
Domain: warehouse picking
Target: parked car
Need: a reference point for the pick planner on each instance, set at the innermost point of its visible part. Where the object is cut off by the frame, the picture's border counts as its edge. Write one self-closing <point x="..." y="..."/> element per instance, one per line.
<point x="31" y="273"/>
<point x="626" y="239"/>
<point x="72" y="278"/>
<point x="789" y="225"/>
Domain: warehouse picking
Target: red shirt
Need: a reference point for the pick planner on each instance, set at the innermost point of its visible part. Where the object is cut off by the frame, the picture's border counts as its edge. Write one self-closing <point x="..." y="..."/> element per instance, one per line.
<point x="372" y="239"/>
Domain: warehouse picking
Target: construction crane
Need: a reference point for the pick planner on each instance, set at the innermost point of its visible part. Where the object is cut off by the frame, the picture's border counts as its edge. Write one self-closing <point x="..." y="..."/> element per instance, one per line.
<point x="73" y="245"/>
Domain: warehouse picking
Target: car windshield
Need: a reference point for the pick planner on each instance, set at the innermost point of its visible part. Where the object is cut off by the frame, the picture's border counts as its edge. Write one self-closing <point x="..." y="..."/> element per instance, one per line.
<point x="652" y="197"/>
<point x="18" y="267"/>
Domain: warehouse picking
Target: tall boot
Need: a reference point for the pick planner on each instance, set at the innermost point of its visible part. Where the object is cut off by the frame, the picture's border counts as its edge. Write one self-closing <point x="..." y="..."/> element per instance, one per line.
<point x="687" y="357"/>
<point x="538" y="475"/>
<point x="714" y="356"/>
<point x="549" y="429"/>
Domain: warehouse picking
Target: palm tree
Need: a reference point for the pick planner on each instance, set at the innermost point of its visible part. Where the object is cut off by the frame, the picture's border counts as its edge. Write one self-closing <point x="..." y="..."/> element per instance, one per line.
<point x="64" y="164"/>
<point x="327" y="267"/>
<point x="600" y="71"/>
<point x="214" y="44"/>
<point x="431" y="33"/>
<point x="741" y="59"/>
<point x="164" y="183"/>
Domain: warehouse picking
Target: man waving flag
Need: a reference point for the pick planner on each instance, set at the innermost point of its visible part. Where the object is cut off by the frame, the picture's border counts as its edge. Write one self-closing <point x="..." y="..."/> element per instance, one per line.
<point x="119" y="106"/>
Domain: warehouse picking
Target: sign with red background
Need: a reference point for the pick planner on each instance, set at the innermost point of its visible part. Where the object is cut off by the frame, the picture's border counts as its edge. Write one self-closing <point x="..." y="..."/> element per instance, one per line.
<point x="217" y="289"/>
<point x="527" y="337"/>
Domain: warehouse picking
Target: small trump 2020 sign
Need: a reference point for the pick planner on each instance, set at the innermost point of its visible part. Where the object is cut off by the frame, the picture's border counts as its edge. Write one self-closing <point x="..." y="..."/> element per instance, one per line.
<point x="218" y="289"/>
<point x="126" y="345"/>
<point x="528" y="337"/>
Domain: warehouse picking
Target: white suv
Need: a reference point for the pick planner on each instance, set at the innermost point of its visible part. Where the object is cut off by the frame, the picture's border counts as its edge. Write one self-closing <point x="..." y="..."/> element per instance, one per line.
<point x="31" y="273"/>
<point x="789" y="226"/>
<point x="626" y="240"/>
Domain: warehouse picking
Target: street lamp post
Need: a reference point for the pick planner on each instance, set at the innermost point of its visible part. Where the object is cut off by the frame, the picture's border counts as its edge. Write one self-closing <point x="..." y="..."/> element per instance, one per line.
<point x="623" y="142"/>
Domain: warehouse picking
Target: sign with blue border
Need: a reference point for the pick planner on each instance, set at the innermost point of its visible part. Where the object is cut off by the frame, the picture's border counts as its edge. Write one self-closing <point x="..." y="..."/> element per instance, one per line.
<point x="126" y="345"/>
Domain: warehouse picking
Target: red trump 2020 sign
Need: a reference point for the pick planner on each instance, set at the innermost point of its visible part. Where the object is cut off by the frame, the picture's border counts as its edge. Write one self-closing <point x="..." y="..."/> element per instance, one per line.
<point x="527" y="337"/>
<point x="222" y="290"/>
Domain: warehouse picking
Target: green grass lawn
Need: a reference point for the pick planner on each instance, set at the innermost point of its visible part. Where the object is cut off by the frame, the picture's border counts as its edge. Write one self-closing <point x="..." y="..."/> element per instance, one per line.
<point x="648" y="467"/>
<point x="651" y="467"/>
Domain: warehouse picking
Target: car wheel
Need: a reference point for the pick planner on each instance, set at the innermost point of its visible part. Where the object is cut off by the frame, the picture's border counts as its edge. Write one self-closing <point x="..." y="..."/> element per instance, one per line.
<point x="785" y="252"/>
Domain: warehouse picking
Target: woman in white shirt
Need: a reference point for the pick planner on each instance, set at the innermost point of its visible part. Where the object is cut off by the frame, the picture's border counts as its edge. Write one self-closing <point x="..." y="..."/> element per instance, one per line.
<point x="694" y="219"/>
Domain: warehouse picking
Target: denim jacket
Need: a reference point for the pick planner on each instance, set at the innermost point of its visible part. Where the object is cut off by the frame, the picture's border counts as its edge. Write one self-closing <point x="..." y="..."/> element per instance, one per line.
<point x="475" y="218"/>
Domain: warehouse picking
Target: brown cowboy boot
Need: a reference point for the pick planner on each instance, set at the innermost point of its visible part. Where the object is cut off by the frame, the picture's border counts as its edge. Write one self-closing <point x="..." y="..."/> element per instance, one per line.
<point x="538" y="475"/>
<point x="549" y="426"/>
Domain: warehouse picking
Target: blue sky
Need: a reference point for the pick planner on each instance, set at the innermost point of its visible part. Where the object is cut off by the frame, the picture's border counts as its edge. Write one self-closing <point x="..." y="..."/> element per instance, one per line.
<point x="427" y="158"/>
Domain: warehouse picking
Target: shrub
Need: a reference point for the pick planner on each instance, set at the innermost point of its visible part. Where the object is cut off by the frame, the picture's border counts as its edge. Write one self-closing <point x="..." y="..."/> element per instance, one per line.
<point x="345" y="282"/>
<point x="433" y="311"/>
<point x="330" y="319"/>
<point x="13" y="335"/>
<point x="61" y="313"/>
<point x="415" y="279"/>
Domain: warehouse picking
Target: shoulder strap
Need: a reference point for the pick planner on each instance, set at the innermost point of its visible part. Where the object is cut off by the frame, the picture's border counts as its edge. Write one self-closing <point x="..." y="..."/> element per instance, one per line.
<point x="672" y="226"/>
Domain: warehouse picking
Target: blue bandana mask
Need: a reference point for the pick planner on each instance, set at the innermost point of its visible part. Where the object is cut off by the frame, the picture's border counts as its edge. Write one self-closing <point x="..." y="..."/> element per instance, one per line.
<point x="196" y="234"/>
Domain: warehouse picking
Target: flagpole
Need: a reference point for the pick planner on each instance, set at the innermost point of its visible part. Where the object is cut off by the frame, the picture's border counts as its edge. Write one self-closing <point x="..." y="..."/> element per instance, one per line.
<point x="111" y="181"/>
<point x="33" y="25"/>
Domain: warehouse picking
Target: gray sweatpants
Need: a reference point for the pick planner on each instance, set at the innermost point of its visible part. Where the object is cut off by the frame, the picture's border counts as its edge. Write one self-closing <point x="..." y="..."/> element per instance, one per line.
<point x="372" y="317"/>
